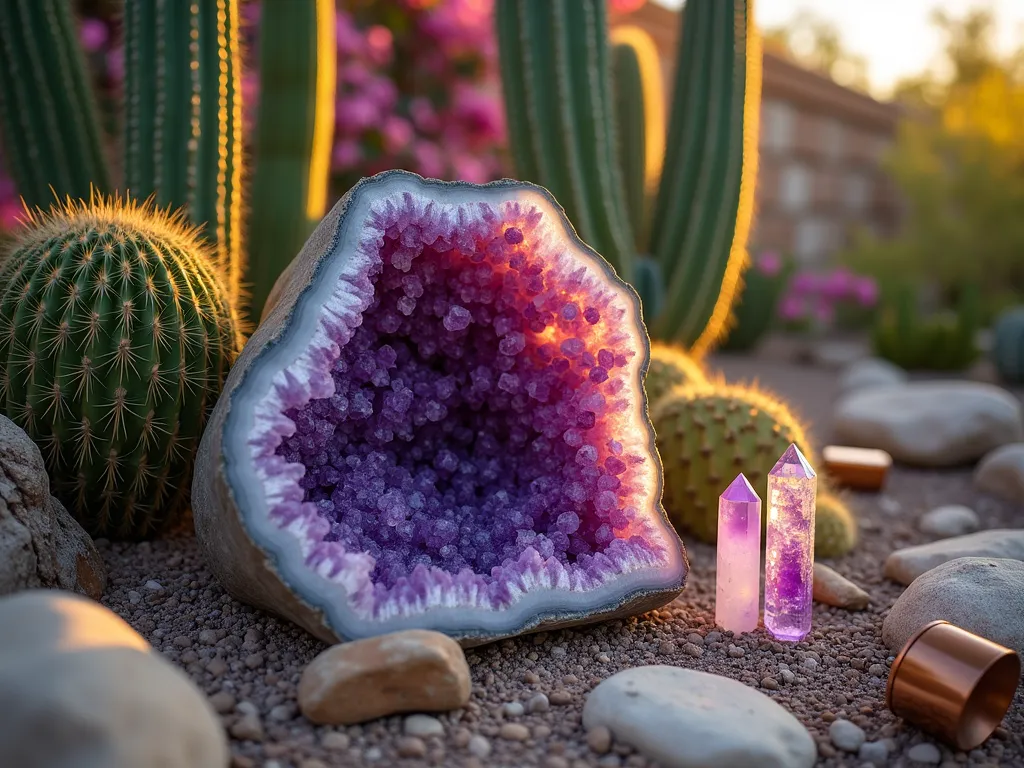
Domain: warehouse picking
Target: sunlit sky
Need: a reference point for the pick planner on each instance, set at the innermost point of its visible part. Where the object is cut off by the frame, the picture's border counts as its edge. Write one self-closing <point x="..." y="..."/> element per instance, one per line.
<point x="895" y="36"/>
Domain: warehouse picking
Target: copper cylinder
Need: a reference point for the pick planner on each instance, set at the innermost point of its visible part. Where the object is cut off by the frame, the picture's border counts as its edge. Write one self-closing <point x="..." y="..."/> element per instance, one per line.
<point x="953" y="684"/>
<point x="862" y="469"/>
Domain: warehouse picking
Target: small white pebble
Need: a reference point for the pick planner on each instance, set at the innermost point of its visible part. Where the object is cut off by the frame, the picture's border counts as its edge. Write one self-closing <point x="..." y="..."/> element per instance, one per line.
<point x="558" y="651"/>
<point x="423" y="726"/>
<point x="599" y="739"/>
<point x="846" y="735"/>
<point x="134" y="597"/>
<point x="874" y="752"/>
<point x="479" y="746"/>
<point x="153" y="586"/>
<point x="373" y="754"/>
<point x="538" y="703"/>
<point x="513" y="709"/>
<point x="925" y="753"/>
<point x="809" y="664"/>
<point x="334" y="740"/>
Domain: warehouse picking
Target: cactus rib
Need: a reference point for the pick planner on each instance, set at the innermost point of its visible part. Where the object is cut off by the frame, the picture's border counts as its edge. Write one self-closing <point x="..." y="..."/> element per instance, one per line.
<point x="296" y="117"/>
<point x="183" y="123"/>
<point x="703" y="211"/>
<point x="48" y="114"/>
<point x="555" y="73"/>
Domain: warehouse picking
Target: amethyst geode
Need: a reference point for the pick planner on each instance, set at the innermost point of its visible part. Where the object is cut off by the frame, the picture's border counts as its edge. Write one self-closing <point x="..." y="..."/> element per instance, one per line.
<point x="440" y="423"/>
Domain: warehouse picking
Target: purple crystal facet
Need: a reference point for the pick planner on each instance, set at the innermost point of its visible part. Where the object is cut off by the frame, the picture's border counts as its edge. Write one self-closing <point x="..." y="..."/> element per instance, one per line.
<point x="738" y="577"/>
<point x="460" y="430"/>
<point x="789" y="553"/>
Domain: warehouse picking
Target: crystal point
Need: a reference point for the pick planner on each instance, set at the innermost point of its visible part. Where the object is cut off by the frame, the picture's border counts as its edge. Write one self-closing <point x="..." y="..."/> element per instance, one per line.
<point x="740" y="489"/>
<point x="789" y="551"/>
<point x="792" y="463"/>
<point x="738" y="580"/>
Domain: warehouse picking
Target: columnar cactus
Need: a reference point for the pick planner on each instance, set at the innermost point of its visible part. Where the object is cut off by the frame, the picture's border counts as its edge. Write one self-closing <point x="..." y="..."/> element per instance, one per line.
<point x="555" y="71"/>
<point x="116" y="334"/>
<point x="440" y="424"/>
<point x="183" y="116"/>
<point x="293" y="135"/>
<point x="48" y="120"/>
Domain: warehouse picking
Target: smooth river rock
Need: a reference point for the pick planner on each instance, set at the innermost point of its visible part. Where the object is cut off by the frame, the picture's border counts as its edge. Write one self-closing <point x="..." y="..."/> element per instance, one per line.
<point x="831" y="588"/>
<point x="411" y="671"/>
<point x="79" y="687"/>
<point x="1001" y="473"/>
<point x="949" y="520"/>
<point x="905" y="565"/>
<point x="41" y="544"/>
<point x="682" y="718"/>
<point x="930" y="423"/>
<point x="869" y="373"/>
<point x="983" y="595"/>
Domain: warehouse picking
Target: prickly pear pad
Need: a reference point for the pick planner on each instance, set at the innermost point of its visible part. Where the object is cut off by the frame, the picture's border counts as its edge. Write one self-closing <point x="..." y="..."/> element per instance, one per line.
<point x="441" y="424"/>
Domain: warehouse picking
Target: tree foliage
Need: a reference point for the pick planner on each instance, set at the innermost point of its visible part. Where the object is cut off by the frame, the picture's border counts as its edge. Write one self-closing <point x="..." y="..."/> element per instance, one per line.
<point x="959" y="164"/>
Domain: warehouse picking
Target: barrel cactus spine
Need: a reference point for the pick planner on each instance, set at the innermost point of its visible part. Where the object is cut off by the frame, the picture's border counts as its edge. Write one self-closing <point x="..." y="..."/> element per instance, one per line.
<point x="116" y="335"/>
<point x="1008" y="345"/>
<point x="835" y="527"/>
<point x="704" y="204"/>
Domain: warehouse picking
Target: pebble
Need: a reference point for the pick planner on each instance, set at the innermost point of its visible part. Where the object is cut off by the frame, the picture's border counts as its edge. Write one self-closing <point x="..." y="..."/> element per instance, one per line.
<point x="479" y="746"/>
<point x="599" y="739"/>
<point x="153" y="586"/>
<point x="514" y="732"/>
<point x="930" y="423"/>
<point x="874" y="752"/>
<point x="86" y="687"/>
<point x="538" y="703"/>
<point x="335" y="740"/>
<point x="983" y="595"/>
<point x="693" y="650"/>
<point x="560" y="698"/>
<point x="411" y="671"/>
<point x="846" y="735"/>
<point x="223" y="702"/>
<point x="870" y="372"/>
<point x="411" y="746"/>
<point x="1001" y="472"/>
<point x="513" y="709"/>
<point x="423" y="726"/>
<point x="248" y="727"/>
<point x="682" y="718"/>
<point x="830" y="588"/>
<point x="949" y="520"/>
<point x="924" y="753"/>
<point x="905" y="565"/>
<point x="809" y="663"/>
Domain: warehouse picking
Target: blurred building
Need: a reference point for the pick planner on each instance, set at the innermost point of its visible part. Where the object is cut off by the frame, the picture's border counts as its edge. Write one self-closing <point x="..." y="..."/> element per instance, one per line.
<point x="820" y="178"/>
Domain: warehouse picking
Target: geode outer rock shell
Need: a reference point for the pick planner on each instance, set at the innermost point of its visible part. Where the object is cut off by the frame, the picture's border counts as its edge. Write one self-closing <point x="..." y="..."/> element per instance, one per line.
<point x="440" y="424"/>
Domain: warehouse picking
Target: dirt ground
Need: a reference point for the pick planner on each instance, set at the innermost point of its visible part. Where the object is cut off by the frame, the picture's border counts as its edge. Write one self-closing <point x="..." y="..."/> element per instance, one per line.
<point x="248" y="661"/>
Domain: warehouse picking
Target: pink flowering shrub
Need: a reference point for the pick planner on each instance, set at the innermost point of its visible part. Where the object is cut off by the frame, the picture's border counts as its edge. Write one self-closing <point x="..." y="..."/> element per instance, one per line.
<point x="418" y="88"/>
<point x="824" y="301"/>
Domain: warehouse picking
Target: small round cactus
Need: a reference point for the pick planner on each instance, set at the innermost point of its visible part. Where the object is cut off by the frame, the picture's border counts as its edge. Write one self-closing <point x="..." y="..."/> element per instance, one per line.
<point x="670" y="367"/>
<point x="707" y="433"/>
<point x="116" y="335"/>
<point x="835" y="529"/>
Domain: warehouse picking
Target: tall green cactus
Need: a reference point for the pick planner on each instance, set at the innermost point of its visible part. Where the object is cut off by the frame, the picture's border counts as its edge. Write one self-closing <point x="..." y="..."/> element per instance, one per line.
<point x="53" y="141"/>
<point x="293" y="136"/>
<point x="632" y="140"/>
<point x="554" y="74"/>
<point x="557" y="85"/>
<point x="183" y="118"/>
<point x="183" y="123"/>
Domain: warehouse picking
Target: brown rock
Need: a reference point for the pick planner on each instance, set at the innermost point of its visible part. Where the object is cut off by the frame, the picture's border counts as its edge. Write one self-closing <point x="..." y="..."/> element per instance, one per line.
<point x="832" y="589"/>
<point x="411" y="671"/>
<point x="41" y="545"/>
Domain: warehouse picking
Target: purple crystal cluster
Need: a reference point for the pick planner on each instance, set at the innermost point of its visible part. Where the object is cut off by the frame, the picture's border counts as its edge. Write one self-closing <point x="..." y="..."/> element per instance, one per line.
<point x="463" y="428"/>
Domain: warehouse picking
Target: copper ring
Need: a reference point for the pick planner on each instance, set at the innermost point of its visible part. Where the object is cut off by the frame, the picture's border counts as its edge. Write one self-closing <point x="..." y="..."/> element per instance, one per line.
<point x="952" y="683"/>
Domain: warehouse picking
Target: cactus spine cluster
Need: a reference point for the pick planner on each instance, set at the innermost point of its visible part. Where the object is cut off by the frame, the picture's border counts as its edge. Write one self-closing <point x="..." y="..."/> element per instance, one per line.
<point x="709" y="432"/>
<point x="835" y="529"/>
<point x="116" y="335"/>
<point x="1008" y="345"/>
<point x="293" y="135"/>
<point x="555" y="71"/>
<point x="53" y="140"/>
